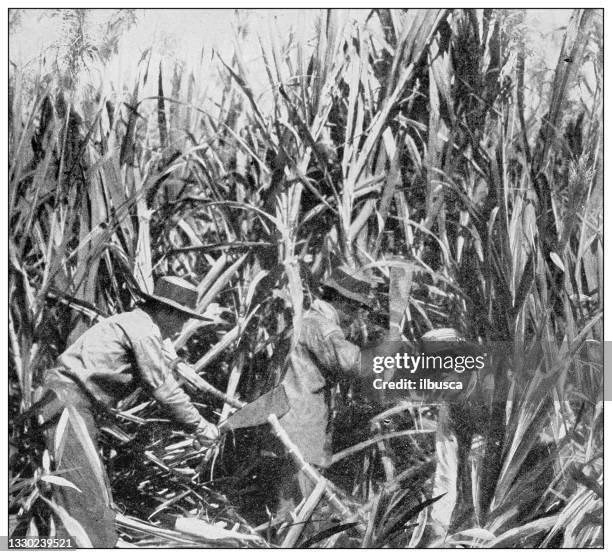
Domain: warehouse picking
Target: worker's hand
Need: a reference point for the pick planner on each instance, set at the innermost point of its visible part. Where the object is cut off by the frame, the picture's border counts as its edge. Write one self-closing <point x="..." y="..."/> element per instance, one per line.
<point x="205" y="435"/>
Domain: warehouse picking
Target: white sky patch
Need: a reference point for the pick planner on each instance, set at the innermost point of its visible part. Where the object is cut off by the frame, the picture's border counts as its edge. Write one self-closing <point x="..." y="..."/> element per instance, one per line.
<point x="197" y="39"/>
<point x="185" y="32"/>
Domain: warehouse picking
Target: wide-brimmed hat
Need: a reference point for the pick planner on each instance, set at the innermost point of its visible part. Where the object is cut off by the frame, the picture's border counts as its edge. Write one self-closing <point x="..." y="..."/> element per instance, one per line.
<point x="176" y="293"/>
<point x="351" y="284"/>
<point x="447" y="340"/>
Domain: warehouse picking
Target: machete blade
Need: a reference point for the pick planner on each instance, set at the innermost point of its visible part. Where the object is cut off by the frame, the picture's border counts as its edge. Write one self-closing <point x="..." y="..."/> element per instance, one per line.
<point x="257" y="412"/>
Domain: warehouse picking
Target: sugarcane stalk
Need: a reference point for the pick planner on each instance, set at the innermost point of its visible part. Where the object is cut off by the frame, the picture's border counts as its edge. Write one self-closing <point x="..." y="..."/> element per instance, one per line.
<point x="300" y="522"/>
<point x="294" y="453"/>
<point x="309" y="470"/>
<point x="188" y="373"/>
<point x="400" y="280"/>
<point x="232" y="385"/>
<point x="387" y="462"/>
<point x="341" y="455"/>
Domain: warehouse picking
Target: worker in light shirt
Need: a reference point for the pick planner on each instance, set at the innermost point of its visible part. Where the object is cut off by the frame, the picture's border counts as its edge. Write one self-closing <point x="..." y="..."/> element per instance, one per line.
<point x="106" y="364"/>
<point x="321" y="357"/>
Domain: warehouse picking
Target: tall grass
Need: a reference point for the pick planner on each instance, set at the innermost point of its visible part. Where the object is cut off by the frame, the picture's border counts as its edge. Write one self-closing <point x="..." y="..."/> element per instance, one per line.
<point x="411" y="134"/>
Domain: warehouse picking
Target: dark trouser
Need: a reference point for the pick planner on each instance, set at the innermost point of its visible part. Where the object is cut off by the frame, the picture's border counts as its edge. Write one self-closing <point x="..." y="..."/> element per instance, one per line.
<point x="71" y="434"/>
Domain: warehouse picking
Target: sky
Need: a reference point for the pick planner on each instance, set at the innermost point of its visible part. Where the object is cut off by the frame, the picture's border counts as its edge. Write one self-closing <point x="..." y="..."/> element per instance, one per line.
<point x="195" y="37"/>
<point x="184" y="31"/>
<point x="187" y="31"/>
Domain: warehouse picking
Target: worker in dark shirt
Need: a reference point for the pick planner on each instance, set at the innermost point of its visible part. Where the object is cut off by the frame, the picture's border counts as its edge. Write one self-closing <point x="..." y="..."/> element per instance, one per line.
<point x="107" y="363"/>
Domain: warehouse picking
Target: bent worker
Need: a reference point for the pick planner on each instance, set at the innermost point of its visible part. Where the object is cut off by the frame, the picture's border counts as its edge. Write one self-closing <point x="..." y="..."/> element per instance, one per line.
<point x="321" y="357"/>
<point x="106" y="364"/>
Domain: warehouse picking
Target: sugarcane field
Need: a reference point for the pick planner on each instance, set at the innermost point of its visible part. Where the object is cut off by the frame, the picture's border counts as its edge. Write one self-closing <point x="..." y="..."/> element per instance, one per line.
<point x="305" y="278"/>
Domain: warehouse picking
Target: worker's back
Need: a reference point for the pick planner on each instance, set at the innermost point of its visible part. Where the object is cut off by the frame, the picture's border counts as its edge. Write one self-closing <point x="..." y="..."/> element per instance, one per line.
<point x="102" y="361"/>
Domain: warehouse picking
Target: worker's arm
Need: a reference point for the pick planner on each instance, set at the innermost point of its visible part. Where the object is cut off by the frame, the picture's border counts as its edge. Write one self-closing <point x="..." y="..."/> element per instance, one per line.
<point x="335" y="353"/>
<point x="157" y="375"/>
<point x="344" y="359"/>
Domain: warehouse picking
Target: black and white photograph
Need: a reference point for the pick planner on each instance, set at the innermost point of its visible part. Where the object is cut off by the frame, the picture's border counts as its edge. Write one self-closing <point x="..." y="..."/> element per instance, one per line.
<point x="304" y="278"/>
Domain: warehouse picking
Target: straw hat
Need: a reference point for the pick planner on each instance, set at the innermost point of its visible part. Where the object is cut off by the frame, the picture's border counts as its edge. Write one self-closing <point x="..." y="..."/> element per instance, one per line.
<point x="447" y="341"/>
<point x="176" y="293"/>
